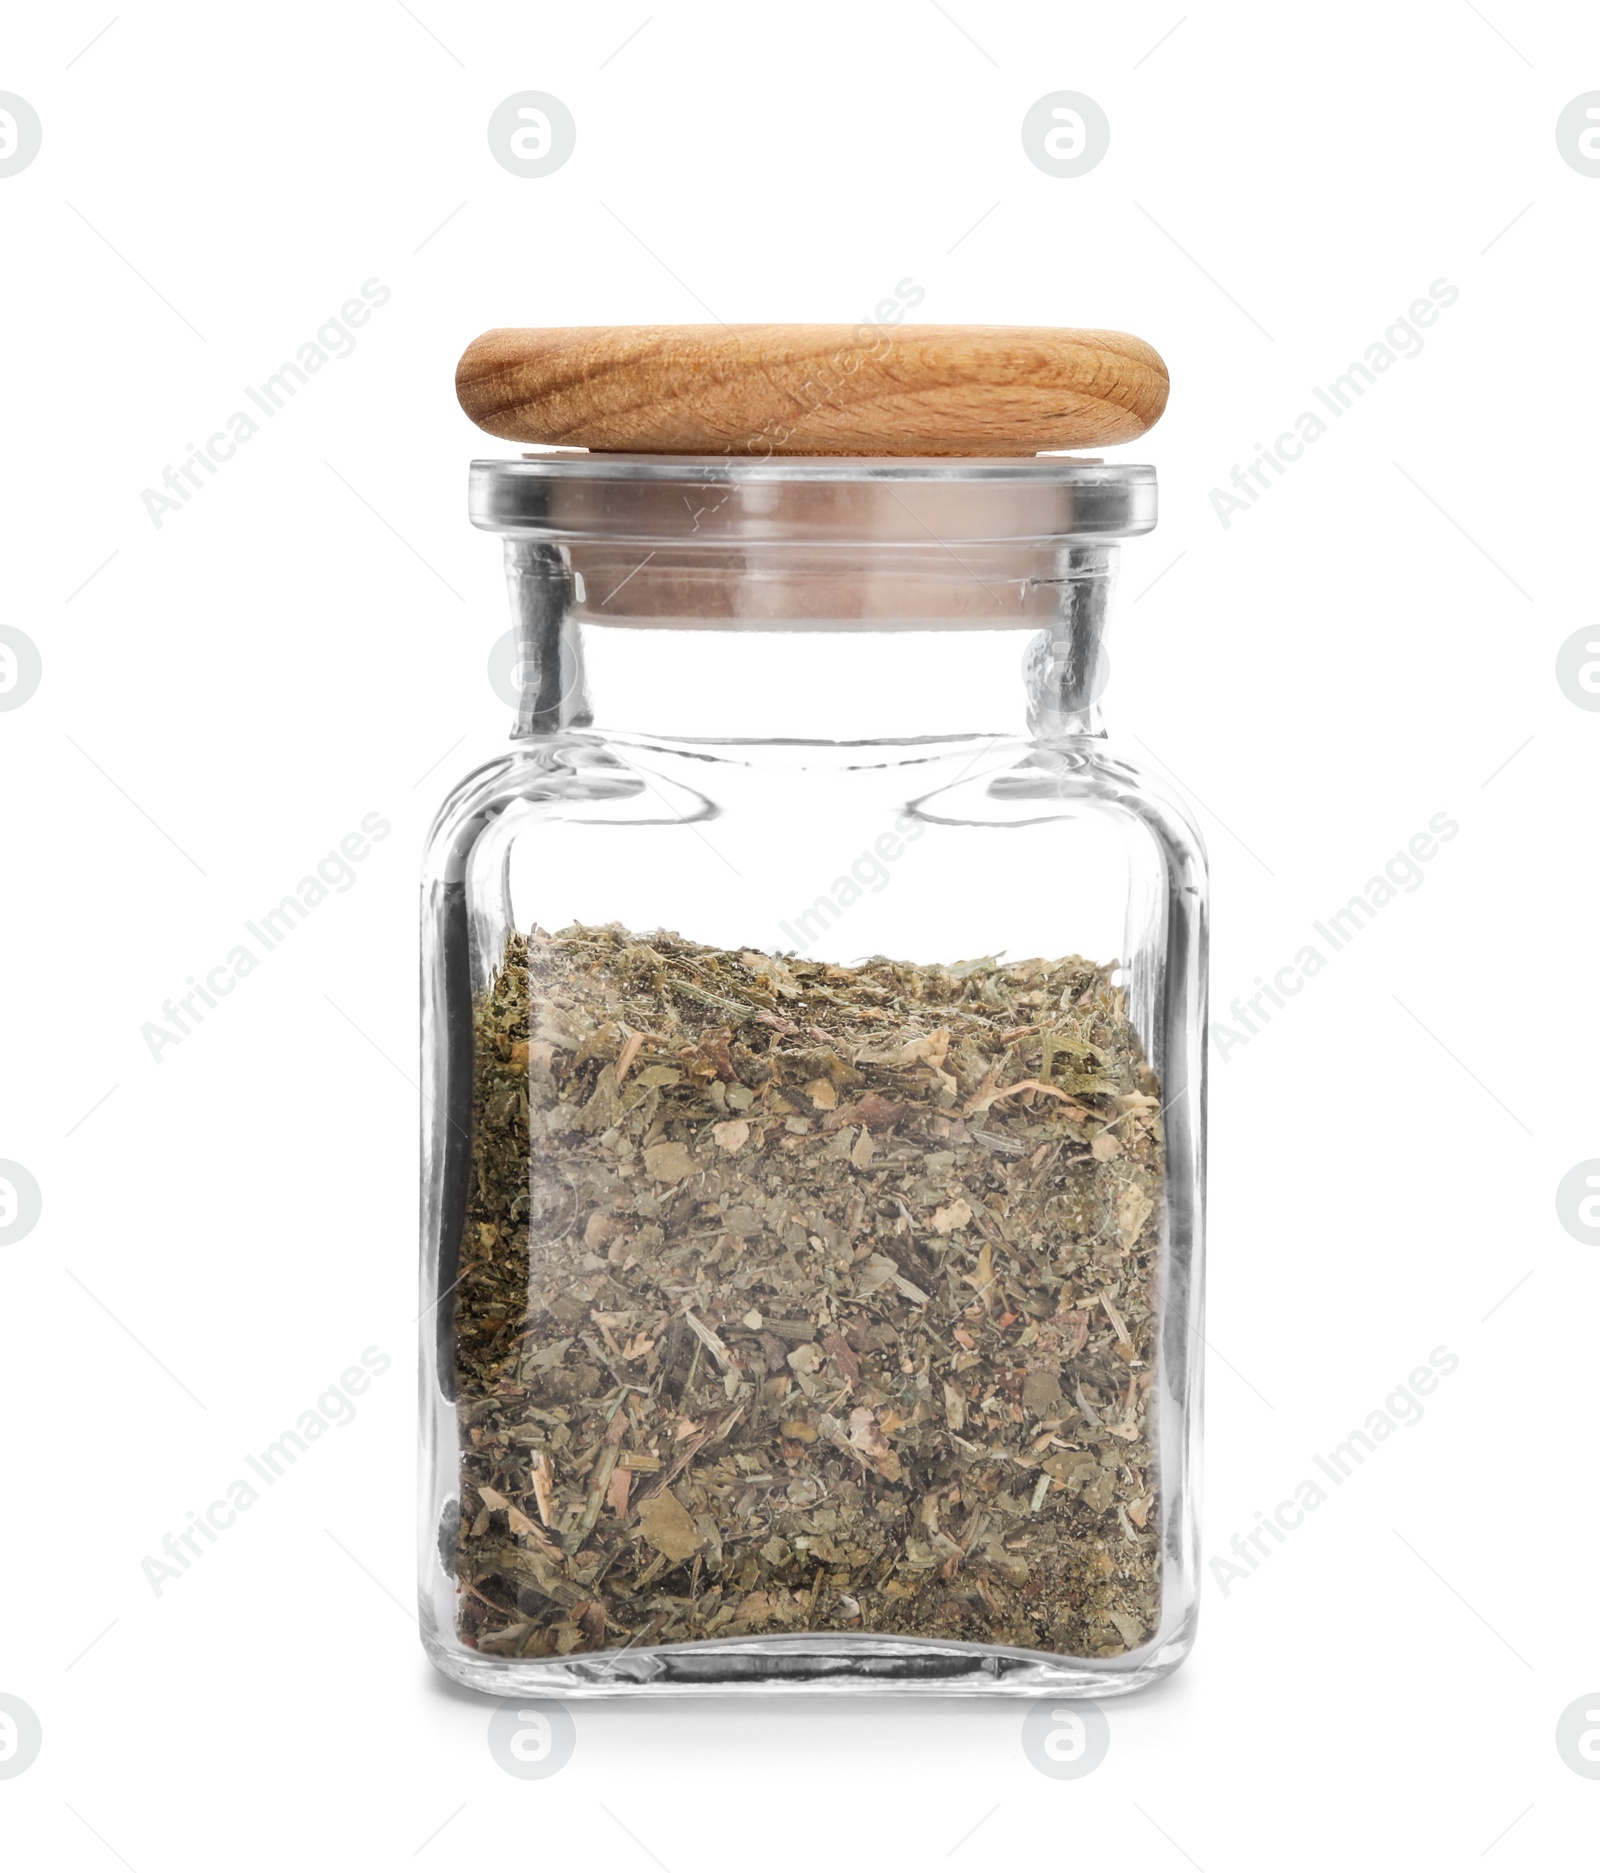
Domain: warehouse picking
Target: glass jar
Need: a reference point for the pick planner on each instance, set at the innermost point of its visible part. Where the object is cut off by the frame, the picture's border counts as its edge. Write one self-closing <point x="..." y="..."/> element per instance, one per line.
<point x="814" y="1052"/>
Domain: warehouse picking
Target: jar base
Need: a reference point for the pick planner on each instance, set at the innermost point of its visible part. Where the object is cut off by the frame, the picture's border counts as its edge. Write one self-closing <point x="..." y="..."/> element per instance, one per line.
<point x="828" y="1664"/>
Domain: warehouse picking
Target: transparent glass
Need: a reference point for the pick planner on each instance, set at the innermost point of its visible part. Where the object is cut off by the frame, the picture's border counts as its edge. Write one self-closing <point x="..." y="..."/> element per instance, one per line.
<point x="734" y="1378"/>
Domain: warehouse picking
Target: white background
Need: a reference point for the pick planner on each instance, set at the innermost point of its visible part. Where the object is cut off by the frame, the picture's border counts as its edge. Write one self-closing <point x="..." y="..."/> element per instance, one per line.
<point x="225" y="696"/>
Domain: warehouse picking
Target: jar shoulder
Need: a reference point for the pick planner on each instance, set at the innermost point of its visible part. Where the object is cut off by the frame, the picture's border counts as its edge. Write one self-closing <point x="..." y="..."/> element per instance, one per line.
<point x="981" y="783"/>
<point x="1074" y="781"/>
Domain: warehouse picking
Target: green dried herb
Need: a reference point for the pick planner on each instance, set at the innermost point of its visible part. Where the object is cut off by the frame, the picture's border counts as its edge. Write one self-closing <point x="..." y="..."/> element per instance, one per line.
<point x="801" y="1298"/>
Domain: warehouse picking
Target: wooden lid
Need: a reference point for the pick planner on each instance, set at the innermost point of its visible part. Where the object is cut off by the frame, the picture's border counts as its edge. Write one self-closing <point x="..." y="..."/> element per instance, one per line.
<point x="813" y="389"/>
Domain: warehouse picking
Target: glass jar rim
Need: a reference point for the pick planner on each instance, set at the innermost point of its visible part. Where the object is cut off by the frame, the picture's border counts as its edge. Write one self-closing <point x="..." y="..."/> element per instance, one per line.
<point x="572" y="495"/>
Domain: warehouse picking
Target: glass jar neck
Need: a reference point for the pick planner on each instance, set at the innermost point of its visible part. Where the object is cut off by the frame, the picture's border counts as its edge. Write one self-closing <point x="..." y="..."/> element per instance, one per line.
<point x="869" y="644"/>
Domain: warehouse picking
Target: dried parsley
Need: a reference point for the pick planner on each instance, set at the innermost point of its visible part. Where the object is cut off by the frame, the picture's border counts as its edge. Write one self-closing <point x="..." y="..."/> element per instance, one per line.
<point x="802" y="1298"/>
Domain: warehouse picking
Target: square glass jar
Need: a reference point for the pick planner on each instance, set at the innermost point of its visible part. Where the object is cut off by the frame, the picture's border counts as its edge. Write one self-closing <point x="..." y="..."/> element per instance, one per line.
<point x="813" y="1117"/>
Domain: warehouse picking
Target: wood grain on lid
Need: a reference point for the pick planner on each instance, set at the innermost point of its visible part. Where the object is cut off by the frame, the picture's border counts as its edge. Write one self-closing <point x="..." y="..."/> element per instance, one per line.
<point x="813" y="389"/>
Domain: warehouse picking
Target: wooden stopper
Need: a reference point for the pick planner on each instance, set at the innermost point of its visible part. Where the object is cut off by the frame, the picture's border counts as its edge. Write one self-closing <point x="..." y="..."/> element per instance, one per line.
<point x="813" y="389"/>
